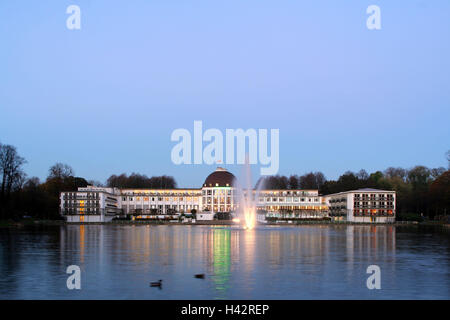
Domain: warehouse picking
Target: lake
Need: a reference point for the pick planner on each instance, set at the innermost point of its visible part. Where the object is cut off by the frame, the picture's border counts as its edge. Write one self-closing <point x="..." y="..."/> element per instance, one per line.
<point x="269" y="262"/>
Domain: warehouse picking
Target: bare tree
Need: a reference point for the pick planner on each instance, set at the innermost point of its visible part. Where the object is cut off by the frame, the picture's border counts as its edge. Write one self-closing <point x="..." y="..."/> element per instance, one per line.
<point x="32" y="182"/>
<point x="293" y="182"/>
<point x="18" y="181"/>
<point x="60" y="170"/>
<point x="308" y="181"/>
<point x="320" y="179"/>
<point x="392" y="172"/>
<point x="12" y="175"/>
<point x="436" y="172"/>
<point x="136" y="180"/>
<point x="362" y="175"/>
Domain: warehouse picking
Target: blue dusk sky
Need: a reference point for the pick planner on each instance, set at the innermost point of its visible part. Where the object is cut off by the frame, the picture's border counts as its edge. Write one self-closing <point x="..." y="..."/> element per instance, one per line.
<point x="106" y="98"/>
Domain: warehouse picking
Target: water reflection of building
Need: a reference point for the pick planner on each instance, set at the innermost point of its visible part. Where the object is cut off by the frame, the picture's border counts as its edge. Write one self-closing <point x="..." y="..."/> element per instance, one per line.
<point x="81" y="240"/>
<point x="372" y="241"/>
<point x="311" y="245"/>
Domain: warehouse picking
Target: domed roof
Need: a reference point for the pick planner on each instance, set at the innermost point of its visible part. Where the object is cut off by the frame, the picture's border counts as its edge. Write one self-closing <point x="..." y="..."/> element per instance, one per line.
<point x="220" y="178"/>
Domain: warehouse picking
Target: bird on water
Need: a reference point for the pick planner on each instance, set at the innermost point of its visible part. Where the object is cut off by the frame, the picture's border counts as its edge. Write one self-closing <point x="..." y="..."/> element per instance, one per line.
<point x="156" y="284"/>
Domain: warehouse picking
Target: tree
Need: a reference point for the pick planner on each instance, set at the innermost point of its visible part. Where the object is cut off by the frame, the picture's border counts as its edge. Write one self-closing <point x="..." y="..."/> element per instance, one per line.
<point x="117" y="181"/>
<point x="348" y="181"/>
<point x="440" y="194"/>
<point x="12" y="177"/>
<point x="320" y="179"/>
<point x="33" y="200"/>
<point x="10" y="169"/>
<point x="419" y="177"/>
<point x="308" y="181"/>
<point x="60" y="171"/>
<point x="18" y="181"/>
<point x="375" y="179"/>
<point x="312" y="180"/>
<point x="136" y="180"/>
<point x="436" y="172"/>
<point x="392" y="172"/>
<point x="60" y="178"/>
<point x="293" y="182"/>
<point x="362" y="175"/>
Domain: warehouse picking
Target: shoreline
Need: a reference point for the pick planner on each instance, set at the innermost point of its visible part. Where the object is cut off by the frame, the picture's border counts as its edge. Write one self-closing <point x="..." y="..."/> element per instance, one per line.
<point x="22" y="223"/>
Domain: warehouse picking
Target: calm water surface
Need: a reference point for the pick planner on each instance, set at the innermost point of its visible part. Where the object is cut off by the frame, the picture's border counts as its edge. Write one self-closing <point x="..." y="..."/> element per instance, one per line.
<point x="270" y="262"/>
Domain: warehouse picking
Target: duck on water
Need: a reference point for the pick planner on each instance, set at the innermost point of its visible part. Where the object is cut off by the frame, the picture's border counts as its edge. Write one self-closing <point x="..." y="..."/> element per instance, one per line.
<point x="156" y="284"/>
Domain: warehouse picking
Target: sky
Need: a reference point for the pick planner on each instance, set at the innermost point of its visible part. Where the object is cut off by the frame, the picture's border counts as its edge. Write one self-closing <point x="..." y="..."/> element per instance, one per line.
<point x="106" y="98"/>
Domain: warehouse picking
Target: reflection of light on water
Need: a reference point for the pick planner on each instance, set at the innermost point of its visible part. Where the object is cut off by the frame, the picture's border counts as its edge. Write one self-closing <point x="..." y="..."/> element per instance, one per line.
<point x="248" y="257"/>
<point x="221" y="258"/>
<point x="250" y="217"/>
<point x="82" y="243"/>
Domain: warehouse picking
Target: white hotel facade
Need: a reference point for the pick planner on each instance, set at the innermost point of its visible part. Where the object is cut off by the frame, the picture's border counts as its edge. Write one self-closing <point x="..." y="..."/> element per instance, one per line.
<point x="363" y="205"/>
<point x="219" y="194"/>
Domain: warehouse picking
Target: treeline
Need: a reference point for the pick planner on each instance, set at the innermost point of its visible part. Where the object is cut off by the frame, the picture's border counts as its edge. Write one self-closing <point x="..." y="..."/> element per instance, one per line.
<point x="136" y="180"/>
<point x="21" y="196"/>
<point x="419" y="190"/>
<point x="307" y="181"/>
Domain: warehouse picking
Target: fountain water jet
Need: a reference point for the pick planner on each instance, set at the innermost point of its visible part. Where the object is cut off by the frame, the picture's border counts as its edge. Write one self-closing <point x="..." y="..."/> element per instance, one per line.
<point x="248" y="197"/>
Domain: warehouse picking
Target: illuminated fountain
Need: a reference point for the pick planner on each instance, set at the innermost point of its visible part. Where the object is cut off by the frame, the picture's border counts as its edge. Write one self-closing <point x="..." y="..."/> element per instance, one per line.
<point x="247" y="201"/>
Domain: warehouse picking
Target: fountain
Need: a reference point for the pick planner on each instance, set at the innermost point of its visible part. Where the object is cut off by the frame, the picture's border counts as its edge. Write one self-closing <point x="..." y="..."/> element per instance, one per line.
<point x="247" y="204"/>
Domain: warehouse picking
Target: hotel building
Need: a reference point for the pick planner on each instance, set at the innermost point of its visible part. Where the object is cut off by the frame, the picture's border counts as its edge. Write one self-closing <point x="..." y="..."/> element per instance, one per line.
<point x="218" y="194"/>
<point x="362" y="205"/>
<point x="90" y="204"/>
